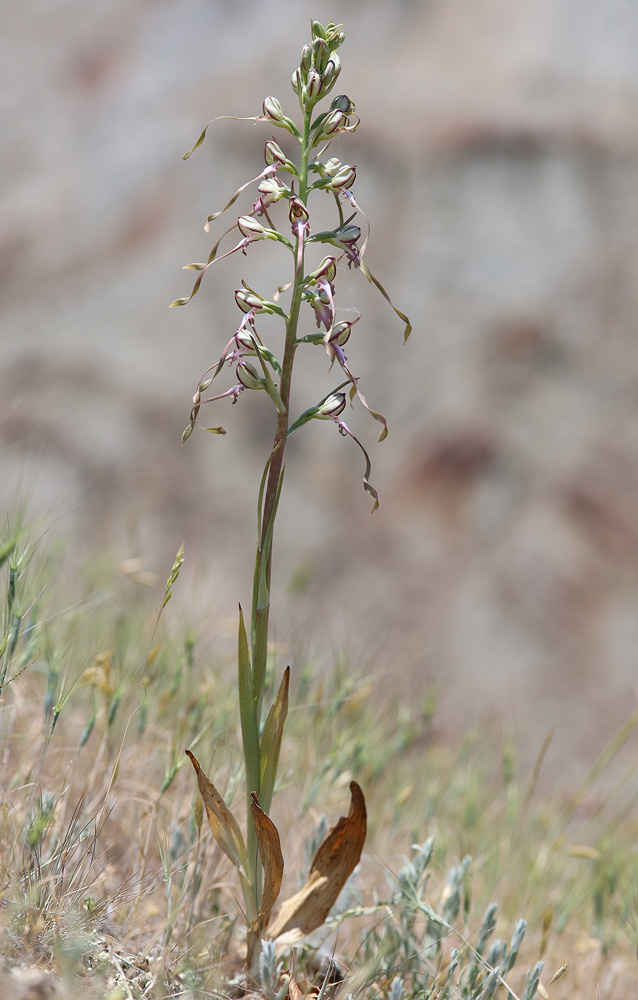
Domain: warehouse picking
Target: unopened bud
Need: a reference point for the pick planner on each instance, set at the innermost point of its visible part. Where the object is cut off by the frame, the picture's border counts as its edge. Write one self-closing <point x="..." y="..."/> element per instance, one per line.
<point x="271" y="190"/>
<point x="248" y="375"/>
<point x="273" y="110"/>
<point x="344" y="177"/>
<point x="273" y="153"/>
<point x="313" y="84"/>
<point x="348" y="235"/>
<point x="248" y="301"/>
<point x="306" y="58"/>
<point x="332" y="122"/>
<point x="317" y="30"/>
<point x="250" y="227"/>
<point x="332" y="407"/>
<point x="330" y="73"/>
<point x="296" y="82"/>
<point x="320" y="54"/>
<point x="341" y="332"/>
<point x="330" y="167"/>
<point x="342" y="103"/>
<point x="245" y="342"/>
<point x="326" y="270"/>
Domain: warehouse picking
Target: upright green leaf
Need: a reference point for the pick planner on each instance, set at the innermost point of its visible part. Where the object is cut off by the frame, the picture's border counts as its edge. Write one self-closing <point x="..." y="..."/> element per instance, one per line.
<point x="270" y="743"/>
<point x="247" y="709"/>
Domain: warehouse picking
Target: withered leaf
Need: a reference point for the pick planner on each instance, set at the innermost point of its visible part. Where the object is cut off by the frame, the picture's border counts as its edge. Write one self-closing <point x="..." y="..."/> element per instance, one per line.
<point x="222" y="822"/>
<point x="271" y="859"/>
<point x="331" y="866"/>
<point x="293" y="989"/>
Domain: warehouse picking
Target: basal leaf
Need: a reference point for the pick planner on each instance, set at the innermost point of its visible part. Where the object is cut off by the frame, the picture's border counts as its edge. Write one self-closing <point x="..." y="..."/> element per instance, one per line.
<point x="222" y="822"/>
<point x="271" y="859"/>
<point x="247" y="708"/>
<point x="331" y="866"/>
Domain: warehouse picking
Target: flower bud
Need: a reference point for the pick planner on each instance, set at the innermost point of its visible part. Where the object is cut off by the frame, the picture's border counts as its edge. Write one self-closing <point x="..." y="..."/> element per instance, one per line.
<point x="342" y="103"/>
<point x="248" y="375"/>
<point x="271" y="190"/>
<point x="317" y="30"/>
<point x="295" y="80"/>
<point x="326" y="270"/>
<point x="348" y="235"/>
<point x="332" y="122"/>
<point x="344" y="177"/>
<point x="330" y="167"/>
<point x="248" y="301"/>
<point x="313" y="84"/>
<point x="320" y="54"/>
<point x="250" y="227"/>
<point x="273" y="110"/>
<point x="341" y="332"/>
<point x="332" y="407"/>
<point x="245" y="342"/>
<point x="306" y="58"/>
<point x="273" y="153"/>
<point x="330" y="73"/>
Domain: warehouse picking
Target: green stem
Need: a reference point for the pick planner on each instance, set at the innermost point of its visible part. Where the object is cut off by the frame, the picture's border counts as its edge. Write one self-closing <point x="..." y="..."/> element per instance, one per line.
<point x="269" y="500"/>
<point x="263" y="565"/>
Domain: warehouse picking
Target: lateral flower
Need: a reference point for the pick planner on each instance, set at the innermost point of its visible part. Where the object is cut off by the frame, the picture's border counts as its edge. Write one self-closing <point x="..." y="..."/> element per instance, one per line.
<point x="345" y="238"/>
<point x="327" y="271"/>
<point x="250" y="227"/>
<point x="251" y="302"/>
<point x="321" y="298"/>
<point x="249" y="377"/>
<point x="334" y="175"/>
<point x="332" y="406"/>
<point x="297" y="212"/>
<point x="273" y="112"/>
<point x="271" y="191"/>
<point x="340" y="118"/>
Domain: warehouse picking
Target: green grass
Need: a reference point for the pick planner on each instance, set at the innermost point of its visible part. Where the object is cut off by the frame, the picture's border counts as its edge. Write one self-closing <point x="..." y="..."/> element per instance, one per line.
<point x="111" y="882"/>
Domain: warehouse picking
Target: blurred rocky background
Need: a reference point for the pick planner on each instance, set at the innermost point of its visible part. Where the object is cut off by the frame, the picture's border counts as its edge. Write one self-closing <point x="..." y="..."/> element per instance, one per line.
<point x="498" y="163"/>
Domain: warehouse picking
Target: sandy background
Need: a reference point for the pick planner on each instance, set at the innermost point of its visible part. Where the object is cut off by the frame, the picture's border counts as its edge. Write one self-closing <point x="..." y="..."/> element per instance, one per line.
<point x="498" y="162"/>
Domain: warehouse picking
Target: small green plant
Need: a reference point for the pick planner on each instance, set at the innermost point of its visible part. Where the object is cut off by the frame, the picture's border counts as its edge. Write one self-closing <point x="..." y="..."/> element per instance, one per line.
<point x="284" y="188"/>
<point x="423" y="951"/>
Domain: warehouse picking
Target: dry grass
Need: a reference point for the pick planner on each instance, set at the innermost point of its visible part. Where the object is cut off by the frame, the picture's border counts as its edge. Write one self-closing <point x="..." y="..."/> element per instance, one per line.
<point x="111" y="884"/>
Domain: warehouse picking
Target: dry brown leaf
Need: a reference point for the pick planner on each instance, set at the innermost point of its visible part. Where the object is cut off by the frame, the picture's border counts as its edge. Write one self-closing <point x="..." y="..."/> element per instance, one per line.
<point x="222" y="822"/>
<point x="293" y="990"/>
<point x="298" y="989"/>
<point x="331" y="866"/>
<point x="271" y="859"/>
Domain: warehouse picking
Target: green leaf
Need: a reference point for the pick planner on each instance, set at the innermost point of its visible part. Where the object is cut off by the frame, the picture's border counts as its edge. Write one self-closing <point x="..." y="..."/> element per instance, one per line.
<point x="270" y="743"/>
<point x="263" y="590"/>
<point x="247" y="709"/>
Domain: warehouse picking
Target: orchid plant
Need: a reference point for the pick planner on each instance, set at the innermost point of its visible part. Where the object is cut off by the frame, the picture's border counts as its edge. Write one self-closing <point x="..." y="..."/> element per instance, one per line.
<point x="287" y="183"/>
